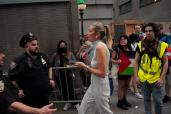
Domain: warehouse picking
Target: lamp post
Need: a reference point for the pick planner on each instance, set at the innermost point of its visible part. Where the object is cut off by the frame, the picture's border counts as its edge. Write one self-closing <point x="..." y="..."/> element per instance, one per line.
<point x="81" y="8"/>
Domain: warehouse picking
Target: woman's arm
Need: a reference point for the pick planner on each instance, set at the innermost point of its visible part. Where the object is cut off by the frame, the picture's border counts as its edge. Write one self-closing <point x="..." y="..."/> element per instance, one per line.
<point x="101" y="57"/>
<point x="114" y="54"/>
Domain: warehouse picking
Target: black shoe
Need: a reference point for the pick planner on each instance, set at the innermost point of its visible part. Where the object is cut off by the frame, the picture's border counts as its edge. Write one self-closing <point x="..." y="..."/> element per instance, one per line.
<point x="126" y="103"/>
<point x="121" y="105"/>
<point x="166" y="99"/>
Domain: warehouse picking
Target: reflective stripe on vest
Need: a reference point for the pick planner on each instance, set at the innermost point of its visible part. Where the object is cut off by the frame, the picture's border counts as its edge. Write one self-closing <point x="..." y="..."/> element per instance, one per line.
<point x="146" y="72"/>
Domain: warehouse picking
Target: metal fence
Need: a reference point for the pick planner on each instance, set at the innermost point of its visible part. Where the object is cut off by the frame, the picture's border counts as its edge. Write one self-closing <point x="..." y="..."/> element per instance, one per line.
<point x="70" y="86"/>
<point x="72" y="79"/>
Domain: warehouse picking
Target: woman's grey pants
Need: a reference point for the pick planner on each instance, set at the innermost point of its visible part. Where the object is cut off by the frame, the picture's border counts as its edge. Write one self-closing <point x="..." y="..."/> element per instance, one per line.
<point x="96" y="100"/>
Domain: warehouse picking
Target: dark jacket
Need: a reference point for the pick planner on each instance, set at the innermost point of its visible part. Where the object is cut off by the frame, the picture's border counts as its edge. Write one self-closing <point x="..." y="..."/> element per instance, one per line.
<point x="8" y="95"/>
<point x="31" y="73"/>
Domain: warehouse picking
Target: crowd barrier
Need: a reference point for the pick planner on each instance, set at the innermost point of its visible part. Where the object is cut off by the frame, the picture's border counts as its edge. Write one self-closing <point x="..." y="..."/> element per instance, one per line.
<point x="76" y="77"/>
<point x="64" y="77"/>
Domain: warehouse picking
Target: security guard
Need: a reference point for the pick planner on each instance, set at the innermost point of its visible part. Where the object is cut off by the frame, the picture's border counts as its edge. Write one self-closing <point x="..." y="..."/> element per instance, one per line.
<point x="31" y="73"/>
<point x="9" y="97"/>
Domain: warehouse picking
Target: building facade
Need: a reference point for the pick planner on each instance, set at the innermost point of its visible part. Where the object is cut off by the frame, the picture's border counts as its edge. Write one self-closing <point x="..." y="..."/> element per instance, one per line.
<point x="49" y="20"/>
<point x="148" y="10"/>
<point x="97" y="10"/>
<point x="120" y="12"/>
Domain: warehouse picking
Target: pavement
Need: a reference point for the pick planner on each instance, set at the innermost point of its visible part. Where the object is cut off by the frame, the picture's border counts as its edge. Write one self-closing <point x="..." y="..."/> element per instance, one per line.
<point x="136" y="108"/>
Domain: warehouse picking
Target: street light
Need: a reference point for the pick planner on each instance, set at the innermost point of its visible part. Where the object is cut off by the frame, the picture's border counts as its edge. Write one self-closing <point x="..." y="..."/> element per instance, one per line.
<point x="81" y="8"/>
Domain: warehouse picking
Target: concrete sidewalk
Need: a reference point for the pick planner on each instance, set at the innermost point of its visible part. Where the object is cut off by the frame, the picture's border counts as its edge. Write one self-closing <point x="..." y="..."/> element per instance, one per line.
<point x="136" y="108"/>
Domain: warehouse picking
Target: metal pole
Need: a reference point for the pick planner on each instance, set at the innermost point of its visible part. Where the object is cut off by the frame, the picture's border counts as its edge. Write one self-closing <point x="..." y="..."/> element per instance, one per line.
<point x="82" y="26"/>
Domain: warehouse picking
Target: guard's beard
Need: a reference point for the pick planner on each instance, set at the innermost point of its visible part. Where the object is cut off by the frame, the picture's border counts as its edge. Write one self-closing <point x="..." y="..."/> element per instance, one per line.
<point x="34" y="53"/>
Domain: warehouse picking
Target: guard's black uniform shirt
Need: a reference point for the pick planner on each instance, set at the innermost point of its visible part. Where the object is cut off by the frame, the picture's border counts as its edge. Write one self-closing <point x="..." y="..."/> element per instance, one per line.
<point x="31" y="74"/>
<point x="7" y="96"/>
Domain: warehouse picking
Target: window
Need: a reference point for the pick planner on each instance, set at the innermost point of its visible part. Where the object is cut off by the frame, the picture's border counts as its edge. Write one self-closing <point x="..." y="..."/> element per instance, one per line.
<point x="125" y="8"/>
<point x="144" y="3"/>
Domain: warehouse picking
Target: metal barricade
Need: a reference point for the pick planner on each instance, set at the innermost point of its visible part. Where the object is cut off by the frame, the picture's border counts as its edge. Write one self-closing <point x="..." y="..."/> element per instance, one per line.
<point x="68" y="86"/>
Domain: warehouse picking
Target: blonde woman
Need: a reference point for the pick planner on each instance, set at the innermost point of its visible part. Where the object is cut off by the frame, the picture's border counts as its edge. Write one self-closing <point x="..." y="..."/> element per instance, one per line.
<point x="96" y="98"/>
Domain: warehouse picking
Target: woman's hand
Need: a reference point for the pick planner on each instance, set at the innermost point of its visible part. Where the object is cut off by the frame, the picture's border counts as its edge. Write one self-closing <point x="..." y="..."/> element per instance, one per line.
<point x="80" y="64"/>
<point x="119" y="61"/>
<point x="85" y="56"/>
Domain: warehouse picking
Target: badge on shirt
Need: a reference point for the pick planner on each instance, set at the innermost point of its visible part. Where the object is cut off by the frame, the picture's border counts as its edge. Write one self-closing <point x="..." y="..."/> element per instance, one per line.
<point x="2" y="86"/>
<point x="43" y="61"/>
<point x="13" y="65"/>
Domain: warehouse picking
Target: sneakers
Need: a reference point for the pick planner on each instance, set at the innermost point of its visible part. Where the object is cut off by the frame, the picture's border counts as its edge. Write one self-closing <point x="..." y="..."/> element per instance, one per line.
<point x="77" y="106"/>
<point x="67" y="106"/>
<point x="138" y="95"/>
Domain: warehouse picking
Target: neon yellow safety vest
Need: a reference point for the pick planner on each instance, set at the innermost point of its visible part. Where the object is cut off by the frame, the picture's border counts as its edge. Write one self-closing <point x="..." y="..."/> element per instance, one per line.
<point x="151" y="73"/>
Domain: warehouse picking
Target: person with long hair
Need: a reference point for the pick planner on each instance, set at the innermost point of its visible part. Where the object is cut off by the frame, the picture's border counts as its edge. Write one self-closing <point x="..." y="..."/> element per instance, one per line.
<point x="64" y="77"/>
<point x="124" y="76"/>
<point x="108" y="41"/>
<point x="96" y="98"/>
<point x="150" y="67"/>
